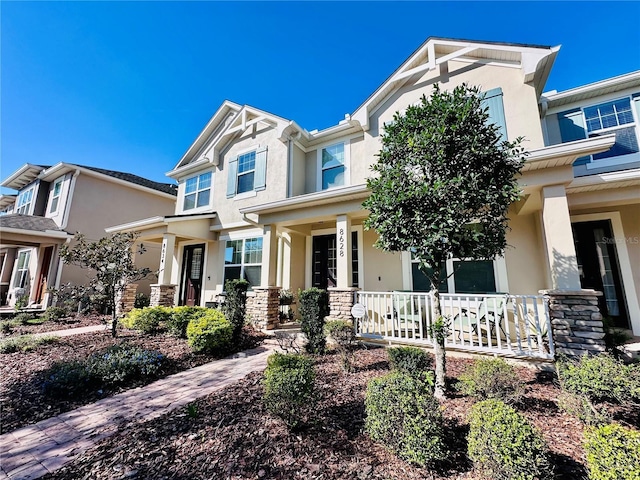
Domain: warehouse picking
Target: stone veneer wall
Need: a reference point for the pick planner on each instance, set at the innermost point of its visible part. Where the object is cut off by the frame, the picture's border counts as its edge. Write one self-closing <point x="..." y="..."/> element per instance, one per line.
<point x="340" y="302"/>
<point x="127" y="299"/>
<point x="162" y="295"/>
<point x="263" y="308"/>
<point x="576" y="321"/>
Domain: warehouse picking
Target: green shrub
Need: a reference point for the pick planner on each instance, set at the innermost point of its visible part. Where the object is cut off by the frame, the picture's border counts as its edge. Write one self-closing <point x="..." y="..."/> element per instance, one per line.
<point x="179" y="319"/>
<point x="314" y="307"/>
<point x="210" y="333"/>
<point x="344" y="335"/>
<point x="410" y="360"/>
<point x="235" y="304"/>
<point x="613" y="452"/>
<point x="7" y="326"/>
<point x="25" y="343"/>
<point x="141" y="300"/>
<point x="117" y="365"/>
<point x="55" y="314"/>
<point x="504" y="446"/>
<point x="581" y="407"/>
<point x="289" y="387"/>
<point x="147" y="320"/>
<point x="492" y="378"/>
<point x="403" y="415"/>
<point x="22" y="318"/>
<point x="598" y="377"/>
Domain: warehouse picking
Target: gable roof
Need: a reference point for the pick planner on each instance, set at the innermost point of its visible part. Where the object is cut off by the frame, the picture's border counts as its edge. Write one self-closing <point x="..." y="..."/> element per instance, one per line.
<point x="169" y="188"/>
<point x="28" y="222"/>
<point x="23" y="176"/>
<point x="535" y="61"/>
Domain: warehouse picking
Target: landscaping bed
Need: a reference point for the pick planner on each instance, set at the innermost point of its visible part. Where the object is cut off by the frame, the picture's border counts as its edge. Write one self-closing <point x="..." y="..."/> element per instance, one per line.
<point x="21" y="391"/>
<point x="230" y="435"/>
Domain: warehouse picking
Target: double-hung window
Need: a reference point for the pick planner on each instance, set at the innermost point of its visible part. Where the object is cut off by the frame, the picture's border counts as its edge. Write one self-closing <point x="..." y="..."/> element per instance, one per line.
<point x="469" y="276"/>
<point x="247" y="173"/>
<point x="333" y="166"/>
<point x="22" y="269"/>
<point x="243" y="259"/>
<point x="613" y="117"/>
<point x="55" y="196"/>
<point x="197" y="191"/>
<point x="24" y="201"/>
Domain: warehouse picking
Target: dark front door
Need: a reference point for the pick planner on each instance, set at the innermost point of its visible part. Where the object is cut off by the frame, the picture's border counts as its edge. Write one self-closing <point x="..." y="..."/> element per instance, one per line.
<point x="324" y="261"/>
<point x="599" y="268"/>
<point x="191" y="284"/>
<point x="43" y="278"/>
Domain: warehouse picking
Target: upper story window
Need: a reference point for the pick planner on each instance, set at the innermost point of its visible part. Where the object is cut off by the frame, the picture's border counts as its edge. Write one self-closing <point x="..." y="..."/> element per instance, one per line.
<point x="55" y="196"/>
<point x="333" y="166"/>
<point x="247" y="172"/>
<point x="197" y="191"/>
<point x="243" y="259"/>
<point x="23" y="203"/>
<point x="613" y="117"/>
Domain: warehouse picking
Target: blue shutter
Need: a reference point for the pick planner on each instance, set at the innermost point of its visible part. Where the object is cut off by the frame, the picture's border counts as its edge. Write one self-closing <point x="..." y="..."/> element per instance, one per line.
<point x="232" y="179"/>
<point x="260" y="178"/>
<point x="572" y="128"/>
<point x="492" y="100"/>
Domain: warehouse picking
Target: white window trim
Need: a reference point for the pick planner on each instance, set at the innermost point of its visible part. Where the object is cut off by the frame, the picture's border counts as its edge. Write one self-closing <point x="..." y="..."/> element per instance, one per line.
<point x="242" y="264"/>
<point x="29" y="205"/>
<point x="499" y="272"/>
<point x="347" y="164"/>
<point x="617" y="160"/>
<point x="54" y="196"/>
<point x="184" y="193"/>
<point x="252" y="192"/>
<point x="17" y="270"/>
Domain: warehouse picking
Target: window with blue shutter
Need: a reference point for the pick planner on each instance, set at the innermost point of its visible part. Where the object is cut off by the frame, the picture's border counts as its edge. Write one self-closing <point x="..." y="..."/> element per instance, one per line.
<point x="492" y="100"/>
<point x="247" y="172"/>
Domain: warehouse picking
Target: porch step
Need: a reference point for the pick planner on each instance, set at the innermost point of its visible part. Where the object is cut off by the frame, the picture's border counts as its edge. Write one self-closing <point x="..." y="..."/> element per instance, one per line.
<point x="632" y="349"/>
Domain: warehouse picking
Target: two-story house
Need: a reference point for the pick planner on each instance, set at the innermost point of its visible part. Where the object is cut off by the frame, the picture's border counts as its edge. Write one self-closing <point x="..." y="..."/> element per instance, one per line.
<point x="262" y="198"/>
<point x="55" y="202"/>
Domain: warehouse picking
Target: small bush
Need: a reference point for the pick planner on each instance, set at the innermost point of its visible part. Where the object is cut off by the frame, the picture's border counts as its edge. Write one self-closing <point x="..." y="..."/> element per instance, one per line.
<point x="289" y="387"/>
<point x="504" y="446"/>
<point x="7" y="326"/>
<point x="405" y="417"/>
<point x="492" y="378"/>
<point x="210" y="333"/>
<point x="235" y="305"/>
<point x="23" y="318"/>
<point x="55" y="314"/>
<point x="314" y="307"/>
<point x="580" y="407"/>
<point x="410" y="360"/>
<point x="613" y="452"/>
<point x="179" y="319"/>
<point x="598" y="377"/>
<point x="344" y="335"/>
<point x="147" y="320"/>
<point x="66" y="380"/>
<point x="141" y="300"/>
<point x="25" y="343"/>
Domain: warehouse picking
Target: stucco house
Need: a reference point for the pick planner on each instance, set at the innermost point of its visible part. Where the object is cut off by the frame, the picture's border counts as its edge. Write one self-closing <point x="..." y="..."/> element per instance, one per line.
<point x="260" y="197"/>
<point x="55" y="202"/>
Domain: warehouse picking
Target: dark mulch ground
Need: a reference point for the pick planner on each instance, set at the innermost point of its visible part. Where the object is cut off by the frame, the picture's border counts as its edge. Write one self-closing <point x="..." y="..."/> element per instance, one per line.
<point x="233" y="437"/>
<point x="22" y="401"/>
<point x="64" y="324"/>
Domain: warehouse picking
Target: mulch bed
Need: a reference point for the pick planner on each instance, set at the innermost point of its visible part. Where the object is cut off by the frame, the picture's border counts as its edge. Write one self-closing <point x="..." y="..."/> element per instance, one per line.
<point x="233" y="436"/>
<point x="22" y="401"/>
<point x="71" y="322"/>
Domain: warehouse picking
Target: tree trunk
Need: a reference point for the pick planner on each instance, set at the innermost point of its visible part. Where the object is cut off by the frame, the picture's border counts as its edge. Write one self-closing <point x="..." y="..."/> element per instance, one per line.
<point x="438" y="346"/>
<point x="114" y="315"/>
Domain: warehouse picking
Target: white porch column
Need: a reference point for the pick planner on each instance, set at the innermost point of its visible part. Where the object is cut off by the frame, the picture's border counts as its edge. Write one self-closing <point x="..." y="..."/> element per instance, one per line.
<point x="561" y="251"/>
<point x="166" y="258"/>
<point x="269" y="256"/>
<point x="343" y="252"/>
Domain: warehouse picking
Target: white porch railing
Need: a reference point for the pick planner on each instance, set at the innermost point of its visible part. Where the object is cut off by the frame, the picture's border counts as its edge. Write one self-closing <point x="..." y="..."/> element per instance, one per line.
<point x="502" y="324"/>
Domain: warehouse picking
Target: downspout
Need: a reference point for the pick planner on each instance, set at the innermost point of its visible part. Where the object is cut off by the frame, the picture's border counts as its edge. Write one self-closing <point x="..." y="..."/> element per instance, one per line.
<point x="289" y="166"/>
<point x="67" y="207"/>
<point x="544" y="107"/>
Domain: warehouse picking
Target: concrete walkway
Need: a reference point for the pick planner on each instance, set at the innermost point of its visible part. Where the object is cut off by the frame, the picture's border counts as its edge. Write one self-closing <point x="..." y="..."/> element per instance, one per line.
<point x="33" y="451"/>
<point x="72" y="331"/>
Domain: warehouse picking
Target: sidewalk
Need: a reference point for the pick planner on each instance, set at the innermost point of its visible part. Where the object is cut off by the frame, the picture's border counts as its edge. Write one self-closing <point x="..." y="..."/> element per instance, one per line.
<point x="33" y="451"/>
<point x="72" y="331"/>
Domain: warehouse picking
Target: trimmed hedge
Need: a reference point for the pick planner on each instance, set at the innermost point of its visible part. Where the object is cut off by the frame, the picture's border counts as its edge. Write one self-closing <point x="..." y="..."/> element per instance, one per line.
<point x="410" y="360"/>
<point x="493" y="378"/>
<point x="314" y="307"/>
<point x="147" y="320"/>
<point x="210" y="333"/>
<point x="180" y="317"/>
<point x="235" y="304"/>
<point x="613" y="452"/>
<point x="504" y="446"/>
<point x="289" y="387"/>
<point x="403" y="415"/>
<point x="343" y="333"/>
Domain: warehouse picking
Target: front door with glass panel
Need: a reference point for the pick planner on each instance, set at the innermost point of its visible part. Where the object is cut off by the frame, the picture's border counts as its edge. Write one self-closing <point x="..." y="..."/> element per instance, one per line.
<point x="324" y="261"/>
<point x="191" y="284"/>
<point x="598" y="267"/>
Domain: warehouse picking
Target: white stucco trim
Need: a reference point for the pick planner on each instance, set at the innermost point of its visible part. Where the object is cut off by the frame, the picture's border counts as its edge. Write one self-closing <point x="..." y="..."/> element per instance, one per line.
<point x="628" y="285"/>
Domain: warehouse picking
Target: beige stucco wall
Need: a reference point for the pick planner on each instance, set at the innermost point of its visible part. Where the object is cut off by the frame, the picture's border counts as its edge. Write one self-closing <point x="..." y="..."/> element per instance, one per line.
<point x="382" y="271"/>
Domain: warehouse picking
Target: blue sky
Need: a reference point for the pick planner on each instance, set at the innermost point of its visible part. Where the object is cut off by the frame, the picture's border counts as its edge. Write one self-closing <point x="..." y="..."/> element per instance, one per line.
<point x="129" y="85"/>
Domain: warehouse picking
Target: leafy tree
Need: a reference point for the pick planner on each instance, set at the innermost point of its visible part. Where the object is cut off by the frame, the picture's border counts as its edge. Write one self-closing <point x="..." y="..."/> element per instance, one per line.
<point x="111" y="260"/>
<point x="445" y="181"/>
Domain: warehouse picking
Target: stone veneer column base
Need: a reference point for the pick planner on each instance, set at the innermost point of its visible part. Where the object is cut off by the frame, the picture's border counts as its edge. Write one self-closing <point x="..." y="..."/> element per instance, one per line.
<point x="576" y="321"/>
<point x="162" y="295"/>
<point x="127" y="299"/>
<point x="263" y="308"/>
<point x="340" y="302"/>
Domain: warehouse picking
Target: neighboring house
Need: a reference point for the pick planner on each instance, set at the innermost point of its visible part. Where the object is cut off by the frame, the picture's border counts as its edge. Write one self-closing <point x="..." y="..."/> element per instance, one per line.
<point x="52" y="204"/>
<point x="262" y="198"/>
